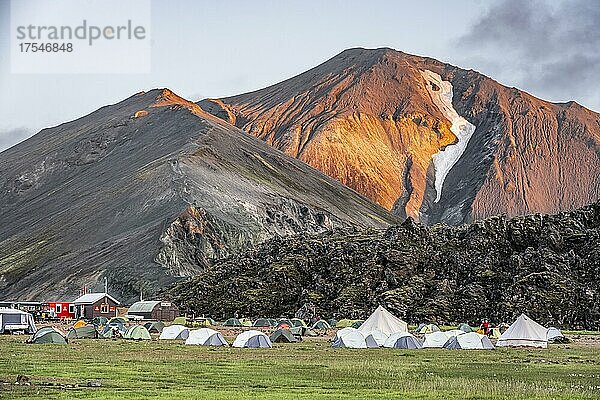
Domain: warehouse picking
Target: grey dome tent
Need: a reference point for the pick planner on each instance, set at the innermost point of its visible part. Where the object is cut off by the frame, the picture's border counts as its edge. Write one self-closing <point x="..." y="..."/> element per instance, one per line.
<point x="466" y="328"/>
<point x="252" y="339"/>
<point x="262" y="323"/>
<point x="174" y="332"/>
<point x="84" y="332"/>
<point x="46" y="336"/>
<point x="469" y="341"/>
<point x="283" y="336"/>
<point x="112" y="326"/>
<point x="353" y="339"/>
<point x="206" y="337"/>
<point x="321" y="324"/>
<point x="402" y="340"/>
<point x="232" y="322"/>
<point x="554" y="335"/>
<point x="155" y="327"/>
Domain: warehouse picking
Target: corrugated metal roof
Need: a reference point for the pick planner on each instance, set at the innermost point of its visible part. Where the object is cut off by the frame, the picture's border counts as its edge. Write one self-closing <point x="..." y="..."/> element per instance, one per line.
<point x="142" y="307"/>
<point x="91" y="298"/>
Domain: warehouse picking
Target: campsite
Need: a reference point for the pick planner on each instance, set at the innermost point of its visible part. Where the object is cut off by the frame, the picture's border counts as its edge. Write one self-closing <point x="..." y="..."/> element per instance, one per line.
<point x="300" y="200"/>
<point x="379" y="357"/>
<point x="311" y="369"/>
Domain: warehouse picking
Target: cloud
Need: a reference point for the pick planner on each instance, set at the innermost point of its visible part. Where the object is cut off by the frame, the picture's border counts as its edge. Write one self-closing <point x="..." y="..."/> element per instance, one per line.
<point x="548" y="48"/>
<point x="11" y="137"/>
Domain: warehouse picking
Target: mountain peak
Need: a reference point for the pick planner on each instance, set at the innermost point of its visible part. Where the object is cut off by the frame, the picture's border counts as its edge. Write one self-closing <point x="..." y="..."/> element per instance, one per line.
<point x="149" y="199"/>
<point x="426" y="139"/>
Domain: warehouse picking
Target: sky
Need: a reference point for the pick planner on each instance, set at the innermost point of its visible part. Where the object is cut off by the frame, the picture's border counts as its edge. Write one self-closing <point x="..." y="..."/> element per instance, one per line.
<point x="203" y="49"/>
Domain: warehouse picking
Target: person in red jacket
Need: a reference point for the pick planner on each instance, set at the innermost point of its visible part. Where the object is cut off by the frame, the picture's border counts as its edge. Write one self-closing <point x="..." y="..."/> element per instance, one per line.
<point x="486" y="327"/>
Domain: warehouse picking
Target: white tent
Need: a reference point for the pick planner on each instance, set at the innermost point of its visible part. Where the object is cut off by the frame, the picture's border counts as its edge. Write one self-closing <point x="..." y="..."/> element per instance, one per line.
<point x="206" y="337"/>
<point x="174" y="332"/>
<point x="402" y="340"/>
<point x="553" y="333"/>
<point x="524" y="332"/>
<point x="436" y="339"/>
<point x="354" y="340"/>
<point x="383" y="321"/>
<point x="252" y="339"/>
<point x="455" y="332"/>
<point x="344" y="331"/>
<point x="469" y="341"/>
<point x="378" y="336"/>
<point x="16" y="320"/>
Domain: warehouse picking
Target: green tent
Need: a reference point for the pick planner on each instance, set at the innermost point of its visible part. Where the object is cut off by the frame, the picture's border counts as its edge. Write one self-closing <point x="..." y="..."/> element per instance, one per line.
<point x="100" y="321"/>
<point x="204" y="322"/>
<point x="283" y="336"/>
<point x="179" y="321"/>
<point x="47" y="335"/>
<point x="122" y="320"/>
<point x="297" y="322"/>
<point x="84" y="332"/>
<point x="466" y="328"/>
<point x="332" y="322"/>
<point x="154" y="327"/>
<point x="232" y="322"/>
<point x="298" y="330"/>
<point x="309" y="332"/>
<point x="262" y="323"/>
<point x="344" y="323"/>
<point x="137" y="332"/>
<point x="357" y="324"/>
<point x="273" y="322"/>
<point x="321" y="324"/>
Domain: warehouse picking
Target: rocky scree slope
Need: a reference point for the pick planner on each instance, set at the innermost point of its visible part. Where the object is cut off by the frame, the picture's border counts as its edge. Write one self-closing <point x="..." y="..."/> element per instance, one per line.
<point x="147" y="191"/>
<point x="378" y="120"/>
<point x="544" y="265"/>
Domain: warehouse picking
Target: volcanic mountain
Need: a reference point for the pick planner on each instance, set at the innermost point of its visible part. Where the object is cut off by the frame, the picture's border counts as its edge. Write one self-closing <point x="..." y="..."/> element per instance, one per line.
<point x="427" y="139"/>
<point x="148" y="190"/>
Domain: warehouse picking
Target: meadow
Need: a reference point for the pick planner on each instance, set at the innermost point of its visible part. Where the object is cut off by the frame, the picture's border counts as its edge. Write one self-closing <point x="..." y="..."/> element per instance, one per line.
<point x="307" y="370"/>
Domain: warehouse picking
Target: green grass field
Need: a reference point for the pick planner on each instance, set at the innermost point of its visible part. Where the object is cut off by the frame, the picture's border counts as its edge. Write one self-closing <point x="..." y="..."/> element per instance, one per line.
<point x="309" y="370"/>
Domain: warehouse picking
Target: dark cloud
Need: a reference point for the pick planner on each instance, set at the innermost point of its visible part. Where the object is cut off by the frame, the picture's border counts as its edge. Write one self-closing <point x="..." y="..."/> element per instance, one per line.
<point x="550" y="48"/>
<point x="11" y="137"/>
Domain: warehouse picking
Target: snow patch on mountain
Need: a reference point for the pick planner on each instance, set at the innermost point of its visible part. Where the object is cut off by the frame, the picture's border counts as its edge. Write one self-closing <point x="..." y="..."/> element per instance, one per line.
<point x="445" y="159"/>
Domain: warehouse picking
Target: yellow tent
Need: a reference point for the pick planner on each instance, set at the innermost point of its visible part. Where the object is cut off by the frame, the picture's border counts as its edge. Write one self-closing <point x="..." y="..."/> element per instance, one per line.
<point x="494" y="333"/>
<point x="79" y="324"/>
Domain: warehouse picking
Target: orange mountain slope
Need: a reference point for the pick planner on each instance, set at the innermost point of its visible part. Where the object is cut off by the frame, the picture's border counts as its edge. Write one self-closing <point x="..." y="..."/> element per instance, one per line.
<point x="427" y="139"/>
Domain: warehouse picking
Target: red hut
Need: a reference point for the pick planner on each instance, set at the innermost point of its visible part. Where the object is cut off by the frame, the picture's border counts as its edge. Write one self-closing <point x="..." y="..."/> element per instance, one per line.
<point x="61" y="309"/>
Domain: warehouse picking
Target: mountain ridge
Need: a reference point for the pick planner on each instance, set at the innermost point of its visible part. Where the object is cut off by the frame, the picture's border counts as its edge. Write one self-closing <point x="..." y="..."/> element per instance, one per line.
<point x="146" y="191"/>
<point x="365" y="118"/>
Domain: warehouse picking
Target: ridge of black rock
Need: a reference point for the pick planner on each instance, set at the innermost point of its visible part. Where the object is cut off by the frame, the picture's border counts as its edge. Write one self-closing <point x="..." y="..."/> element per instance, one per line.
<point x="544" y="265"/>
